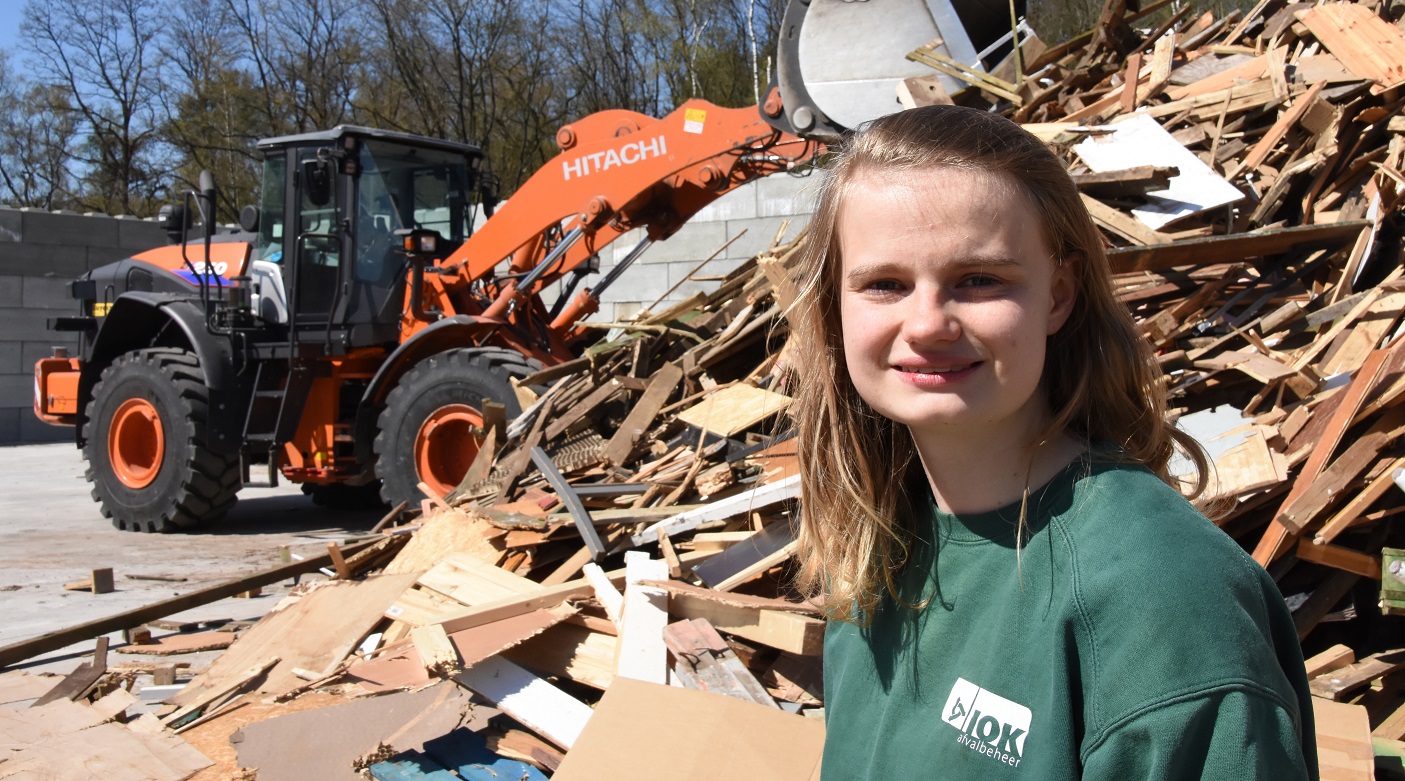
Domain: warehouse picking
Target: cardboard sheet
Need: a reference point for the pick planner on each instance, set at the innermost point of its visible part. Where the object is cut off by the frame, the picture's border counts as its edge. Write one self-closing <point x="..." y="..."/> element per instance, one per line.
<point x="643" y="732"/>
<point x="322" y="744"/>
<point x="1140" y="140"/>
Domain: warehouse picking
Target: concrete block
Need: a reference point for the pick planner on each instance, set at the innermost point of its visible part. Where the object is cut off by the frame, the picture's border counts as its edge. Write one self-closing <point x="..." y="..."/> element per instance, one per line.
<point x="739" y="204"/>
<point x="625" y="310"/>
<point x="11" y="225"/>
<point x="10" y="425"/>
<point x="33" y="429"/>
<point x="137" y="235"/>
<point x="761" y="233"/>
<point x="782" y="195"/>
<point x="642" y="283"/>
<point x="711" y="277"/>
<point x="26" y="325"/>
<point x="11" y="288"/>
<point x="56" y="260"/>
<point x="48" y="293"/>
<point x="72" y="229"/>
<point x="694" y="241"/>
<point x="12" y="358"/>
<point x="17" y="390"/>
<point x="620" y="248"/>
<point x="101" y="256"/>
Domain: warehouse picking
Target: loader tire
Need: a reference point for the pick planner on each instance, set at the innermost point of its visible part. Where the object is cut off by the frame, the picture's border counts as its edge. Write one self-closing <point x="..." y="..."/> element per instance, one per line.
<point x="149" y="461"/>
<point x="426" y="430"/>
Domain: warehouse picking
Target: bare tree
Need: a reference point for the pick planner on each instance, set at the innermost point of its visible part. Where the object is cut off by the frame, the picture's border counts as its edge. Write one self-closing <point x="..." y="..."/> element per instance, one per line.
<point x="38" y="125"/>
<point x="102" y="54"/>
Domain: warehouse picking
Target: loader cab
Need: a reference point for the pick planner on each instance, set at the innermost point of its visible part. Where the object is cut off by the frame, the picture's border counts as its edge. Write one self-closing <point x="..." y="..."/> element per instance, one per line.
<point x="329" y="208"/>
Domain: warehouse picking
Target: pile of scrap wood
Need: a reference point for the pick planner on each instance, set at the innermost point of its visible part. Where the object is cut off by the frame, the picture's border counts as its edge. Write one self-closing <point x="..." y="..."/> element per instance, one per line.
<point x="633" y="526"/>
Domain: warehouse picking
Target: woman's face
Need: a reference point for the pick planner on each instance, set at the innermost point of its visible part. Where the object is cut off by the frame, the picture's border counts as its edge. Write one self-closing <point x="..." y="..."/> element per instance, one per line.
<point x="948" y="293"/>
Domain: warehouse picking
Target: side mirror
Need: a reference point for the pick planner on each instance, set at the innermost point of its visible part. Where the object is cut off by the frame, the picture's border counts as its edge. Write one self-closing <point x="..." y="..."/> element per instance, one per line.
<point x="249" y="218"/>
<point x="317" y="181"/>
<point x="174" y="220"/>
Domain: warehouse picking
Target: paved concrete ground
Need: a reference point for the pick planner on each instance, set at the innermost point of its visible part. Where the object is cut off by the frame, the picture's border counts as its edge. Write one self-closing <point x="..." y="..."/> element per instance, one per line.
<point x="52" y="533"/>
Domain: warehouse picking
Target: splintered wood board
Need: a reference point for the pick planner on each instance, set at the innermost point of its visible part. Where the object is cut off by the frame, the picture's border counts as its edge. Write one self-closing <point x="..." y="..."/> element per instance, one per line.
<point x="733" y="409"/>
<point x="572" y="651"/>
<point x="1247" y="467"/>
<point x="1367" y="45"/>
<point x="314" y="631"/>
<point x="181" y="644"/>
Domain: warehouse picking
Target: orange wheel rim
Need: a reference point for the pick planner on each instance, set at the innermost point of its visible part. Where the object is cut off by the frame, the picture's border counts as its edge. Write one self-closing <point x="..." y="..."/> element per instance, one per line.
<point x="135" y="443"/>
<point x="446" y="445"/>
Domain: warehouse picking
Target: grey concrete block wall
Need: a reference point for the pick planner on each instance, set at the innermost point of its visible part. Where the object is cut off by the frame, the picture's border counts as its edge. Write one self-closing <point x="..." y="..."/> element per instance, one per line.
<point x="40" y="254"/>
<point x="751" y="214"/>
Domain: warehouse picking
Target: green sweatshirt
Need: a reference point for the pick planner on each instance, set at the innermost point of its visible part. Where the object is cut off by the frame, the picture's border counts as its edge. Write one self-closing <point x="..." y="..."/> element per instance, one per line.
<point x="1128" y="638"/>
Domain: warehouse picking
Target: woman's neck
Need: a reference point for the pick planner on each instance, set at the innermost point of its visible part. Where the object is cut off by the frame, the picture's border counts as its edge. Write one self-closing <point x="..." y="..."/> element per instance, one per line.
<point x="970" y="476"/>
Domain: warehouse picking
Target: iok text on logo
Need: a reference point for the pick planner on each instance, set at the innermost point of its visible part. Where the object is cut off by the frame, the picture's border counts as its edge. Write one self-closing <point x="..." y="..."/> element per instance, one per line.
<point x="596" y="162"/>
<point x="988" y="723"/>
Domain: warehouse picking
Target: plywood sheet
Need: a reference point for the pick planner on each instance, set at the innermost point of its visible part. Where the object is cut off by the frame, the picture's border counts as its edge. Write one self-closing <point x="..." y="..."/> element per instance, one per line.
<point x="442" y="533"/>
<point x="734" y="409"/>
<point x="1139" y="140"/>
<point x="18" y="686"/>
<point x="313" y="631"/>
<point x="66" y="741"/>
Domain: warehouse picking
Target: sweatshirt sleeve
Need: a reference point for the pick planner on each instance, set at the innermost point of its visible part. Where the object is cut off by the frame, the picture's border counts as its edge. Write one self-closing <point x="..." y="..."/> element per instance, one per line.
<point x="1233" y="734"/>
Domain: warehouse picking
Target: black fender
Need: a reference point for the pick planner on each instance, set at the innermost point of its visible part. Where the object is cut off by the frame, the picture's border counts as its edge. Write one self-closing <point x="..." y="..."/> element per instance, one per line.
<point x="446" y="334"/>
<point x="139" y="320"/>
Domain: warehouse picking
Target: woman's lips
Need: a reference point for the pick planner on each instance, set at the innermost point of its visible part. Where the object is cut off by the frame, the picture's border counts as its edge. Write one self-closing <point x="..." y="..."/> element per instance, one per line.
<point x="934" y="376"/>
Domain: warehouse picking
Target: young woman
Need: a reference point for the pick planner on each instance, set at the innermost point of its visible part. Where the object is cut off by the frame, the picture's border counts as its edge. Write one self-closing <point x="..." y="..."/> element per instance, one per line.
<point x="1015" y="586"/>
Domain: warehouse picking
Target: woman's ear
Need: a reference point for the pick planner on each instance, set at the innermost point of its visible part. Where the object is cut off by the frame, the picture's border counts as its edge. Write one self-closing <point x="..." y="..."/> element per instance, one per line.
<point x="1063" y="291"/>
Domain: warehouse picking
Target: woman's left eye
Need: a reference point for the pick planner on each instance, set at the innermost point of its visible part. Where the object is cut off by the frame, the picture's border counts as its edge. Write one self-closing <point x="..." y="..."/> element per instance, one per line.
<point x="979" y="280"/>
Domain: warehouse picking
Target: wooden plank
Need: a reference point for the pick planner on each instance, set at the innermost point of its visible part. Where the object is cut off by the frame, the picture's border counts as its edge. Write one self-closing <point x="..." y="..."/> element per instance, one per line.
<point x="1359" y="503"/>
<point x="1341" y="558"/>
<point x="468" y="579"/>
<point x="606" y="594"/>
<point x="1127" y="182"/>
<point x="533" y="701"/>
<point x="80" y="680"/>
<point x="778" y="629"/>
<point x="642" y="653"/>
<point x="721" y="509"/>
<point x="571" y="651"/>
<point x="1123" y="225"/>
<point x="745" y="555"/>
<point x="55" y="640"/>
<point x="641" y="417"/>
<point x="1234" y="247"/>
<point x="1334" y="658"/>
<point x="580" y="409"/>
<point x="734" y="409"/>
<point x="1367" y="45"/>
<point x="1337" y="685"/>
<point x="195" y="706"/>
<point x="1265" y="146"/>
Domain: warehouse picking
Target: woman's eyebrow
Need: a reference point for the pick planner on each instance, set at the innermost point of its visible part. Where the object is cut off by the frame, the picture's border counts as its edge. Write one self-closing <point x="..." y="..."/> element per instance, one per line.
<point x="884" y="267"/>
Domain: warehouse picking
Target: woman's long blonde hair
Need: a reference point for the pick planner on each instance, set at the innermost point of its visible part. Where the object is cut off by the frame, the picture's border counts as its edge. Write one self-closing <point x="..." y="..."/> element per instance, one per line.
<point x="1102" y="382"/>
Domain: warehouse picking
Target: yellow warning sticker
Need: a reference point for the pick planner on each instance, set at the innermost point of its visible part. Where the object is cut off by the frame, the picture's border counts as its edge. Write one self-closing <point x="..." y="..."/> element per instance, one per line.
<point x="693" y="120"/>
<point x="100" y="308"/>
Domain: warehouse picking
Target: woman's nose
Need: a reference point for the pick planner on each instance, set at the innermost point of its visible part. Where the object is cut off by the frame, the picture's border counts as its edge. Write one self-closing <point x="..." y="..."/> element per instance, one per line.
<point x="931" y="318"/>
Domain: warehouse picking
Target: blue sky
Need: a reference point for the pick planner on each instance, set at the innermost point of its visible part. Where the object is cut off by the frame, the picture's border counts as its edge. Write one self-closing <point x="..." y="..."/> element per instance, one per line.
<point x="10" y="13"/>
